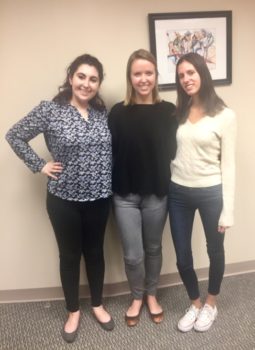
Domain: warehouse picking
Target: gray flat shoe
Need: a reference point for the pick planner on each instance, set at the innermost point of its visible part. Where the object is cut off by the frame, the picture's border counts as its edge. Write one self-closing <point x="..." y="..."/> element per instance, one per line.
<point x="107" y="326"/>
<point x="69" y="337"/>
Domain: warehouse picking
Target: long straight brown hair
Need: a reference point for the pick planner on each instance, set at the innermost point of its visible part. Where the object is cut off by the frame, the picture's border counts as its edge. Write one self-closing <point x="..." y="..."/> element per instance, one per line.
<point x="211" y="102"/>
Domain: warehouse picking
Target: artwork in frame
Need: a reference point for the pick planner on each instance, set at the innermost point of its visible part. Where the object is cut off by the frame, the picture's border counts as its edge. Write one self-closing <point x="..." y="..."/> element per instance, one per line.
<point x="206" y="33"/>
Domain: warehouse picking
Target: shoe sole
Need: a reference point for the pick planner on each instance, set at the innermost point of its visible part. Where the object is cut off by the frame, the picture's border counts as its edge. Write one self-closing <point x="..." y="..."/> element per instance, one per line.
<point x="203" y="329"/>
<point x="184" y="330"/>
<point x="197" y="329"/>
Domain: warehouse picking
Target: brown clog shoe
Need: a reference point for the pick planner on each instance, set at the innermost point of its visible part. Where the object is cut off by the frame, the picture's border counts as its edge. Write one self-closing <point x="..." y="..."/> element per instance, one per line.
<point x="132" y="321"/>
<point x="157" y="318"/>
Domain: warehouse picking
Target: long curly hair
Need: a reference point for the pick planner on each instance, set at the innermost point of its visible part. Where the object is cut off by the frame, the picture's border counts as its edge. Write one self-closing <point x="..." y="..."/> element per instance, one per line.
<point x="65" y="90"/>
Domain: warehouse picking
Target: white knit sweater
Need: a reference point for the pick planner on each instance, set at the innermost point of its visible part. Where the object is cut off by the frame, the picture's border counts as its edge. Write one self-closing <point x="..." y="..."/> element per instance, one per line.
<point x="206" y="157"/>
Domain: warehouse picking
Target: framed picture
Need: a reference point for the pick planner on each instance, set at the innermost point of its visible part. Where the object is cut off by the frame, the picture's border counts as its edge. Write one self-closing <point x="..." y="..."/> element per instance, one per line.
<point x="206" y="33"/>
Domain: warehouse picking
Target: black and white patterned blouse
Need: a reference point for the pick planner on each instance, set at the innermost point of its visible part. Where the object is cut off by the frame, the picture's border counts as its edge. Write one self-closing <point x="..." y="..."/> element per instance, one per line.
<point x="83" y="147"/>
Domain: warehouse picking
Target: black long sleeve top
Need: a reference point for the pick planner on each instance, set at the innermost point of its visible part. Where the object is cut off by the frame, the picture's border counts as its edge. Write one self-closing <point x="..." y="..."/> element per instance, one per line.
<point x="143" y="144"/>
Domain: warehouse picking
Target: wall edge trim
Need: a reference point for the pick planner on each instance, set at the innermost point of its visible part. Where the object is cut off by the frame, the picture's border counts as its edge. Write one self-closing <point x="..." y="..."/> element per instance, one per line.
<point x="114" y="289"/>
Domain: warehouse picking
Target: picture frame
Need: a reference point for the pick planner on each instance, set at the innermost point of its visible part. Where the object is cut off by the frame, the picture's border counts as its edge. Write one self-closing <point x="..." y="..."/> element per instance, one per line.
<point x="207" y="33"/>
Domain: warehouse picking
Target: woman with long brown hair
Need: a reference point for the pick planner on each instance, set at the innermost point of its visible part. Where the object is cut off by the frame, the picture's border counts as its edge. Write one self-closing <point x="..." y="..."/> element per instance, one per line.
<point x="203" y="178"/>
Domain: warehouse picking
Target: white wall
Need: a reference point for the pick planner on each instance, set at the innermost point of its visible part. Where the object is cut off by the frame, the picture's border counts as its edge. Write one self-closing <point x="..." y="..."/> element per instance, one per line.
<point x="38" y="40"/>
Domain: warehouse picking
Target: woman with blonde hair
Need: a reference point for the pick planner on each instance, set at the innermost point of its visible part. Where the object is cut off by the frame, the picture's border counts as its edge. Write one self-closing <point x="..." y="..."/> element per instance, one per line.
<point x="143" y="141"/>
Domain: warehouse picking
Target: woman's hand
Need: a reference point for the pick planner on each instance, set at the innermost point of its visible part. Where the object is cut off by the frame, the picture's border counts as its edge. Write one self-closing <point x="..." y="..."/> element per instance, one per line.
<point x="222" y="229"/>
<point x="51" y="168"/>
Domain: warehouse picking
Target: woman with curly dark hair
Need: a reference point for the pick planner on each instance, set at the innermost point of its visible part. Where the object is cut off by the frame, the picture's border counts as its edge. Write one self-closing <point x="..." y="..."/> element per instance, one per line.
<point x="75" y="128"/>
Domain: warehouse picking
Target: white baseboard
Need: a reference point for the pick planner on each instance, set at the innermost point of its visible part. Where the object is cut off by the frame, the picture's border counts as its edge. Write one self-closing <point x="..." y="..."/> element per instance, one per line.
<point x="55" y="293"/>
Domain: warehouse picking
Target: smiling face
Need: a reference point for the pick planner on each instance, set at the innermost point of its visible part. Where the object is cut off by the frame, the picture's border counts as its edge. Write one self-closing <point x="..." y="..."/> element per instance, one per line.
<point x="143" y="79"/>
<point x="189" y="78"/>
<point x="85" y="84"/>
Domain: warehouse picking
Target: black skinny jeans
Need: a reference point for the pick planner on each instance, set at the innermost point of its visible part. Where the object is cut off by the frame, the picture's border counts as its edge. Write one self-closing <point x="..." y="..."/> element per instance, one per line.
<point x="79" y="229"/>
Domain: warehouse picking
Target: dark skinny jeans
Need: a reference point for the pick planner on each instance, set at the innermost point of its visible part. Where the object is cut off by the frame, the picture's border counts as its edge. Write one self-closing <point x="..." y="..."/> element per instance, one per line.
<point x="79" y="229"/>
<point x="183" y="202"/>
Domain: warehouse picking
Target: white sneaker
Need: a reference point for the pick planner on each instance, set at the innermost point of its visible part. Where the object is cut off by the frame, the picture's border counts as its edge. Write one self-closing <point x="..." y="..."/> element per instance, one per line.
<point x="205" y="318"/>
<point x="187" y="322"/>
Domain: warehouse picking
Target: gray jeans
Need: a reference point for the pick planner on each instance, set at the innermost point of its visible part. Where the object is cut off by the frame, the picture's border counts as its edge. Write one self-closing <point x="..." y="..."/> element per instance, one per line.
<point x="140" y="221"/>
